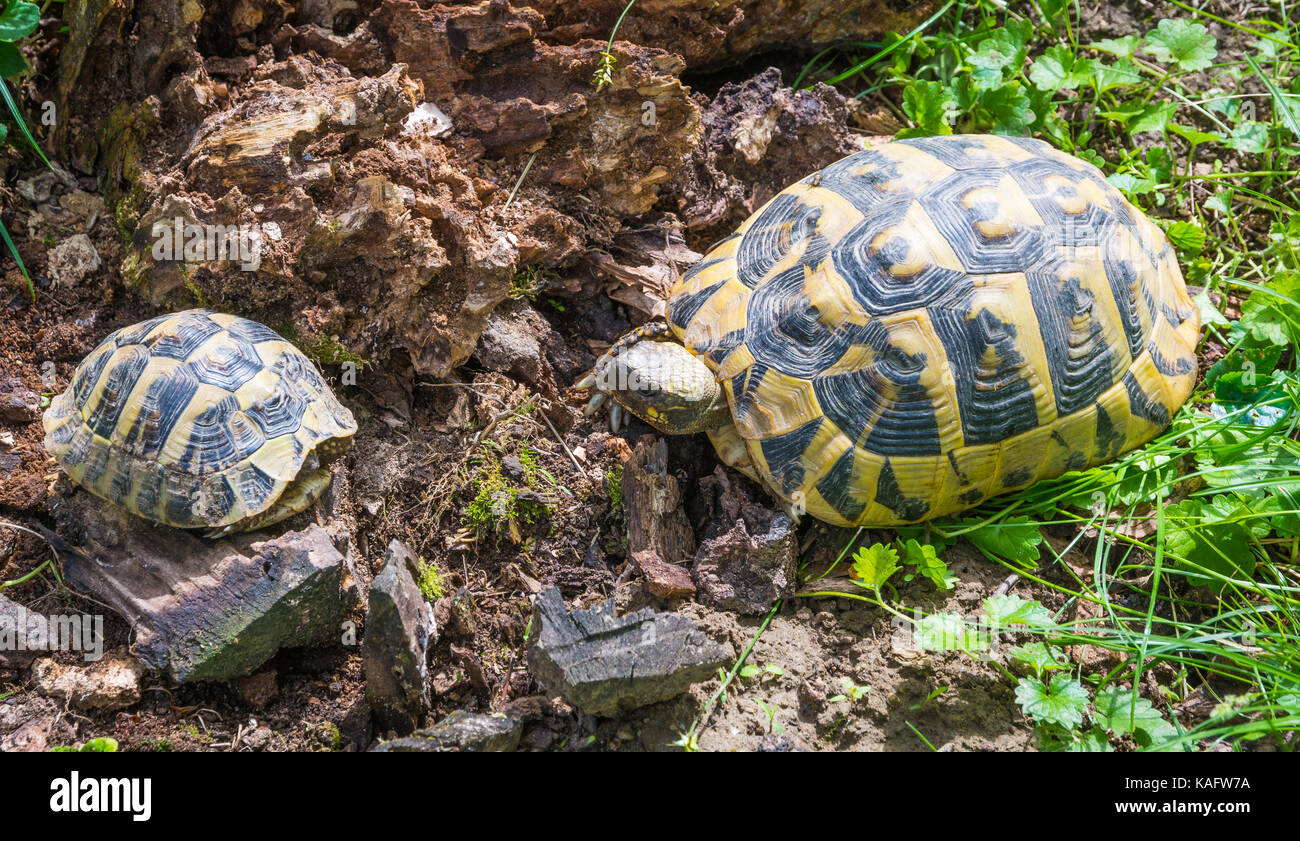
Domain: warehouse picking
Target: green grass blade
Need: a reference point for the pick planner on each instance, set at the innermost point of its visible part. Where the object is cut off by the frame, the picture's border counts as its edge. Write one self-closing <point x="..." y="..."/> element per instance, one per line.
<point x="1280" y="105"/>
<point x="862" y="65"/>
<point x="22" y="124"/>
<point x="13" y="249"/>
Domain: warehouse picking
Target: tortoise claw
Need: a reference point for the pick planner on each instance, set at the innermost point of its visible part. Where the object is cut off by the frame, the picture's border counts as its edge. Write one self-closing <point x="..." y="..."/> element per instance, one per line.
<point x="217" y="534"/>
<point x="586" y="382"/>
<point x="595" y="403"/>
<point x="615" y="418"/>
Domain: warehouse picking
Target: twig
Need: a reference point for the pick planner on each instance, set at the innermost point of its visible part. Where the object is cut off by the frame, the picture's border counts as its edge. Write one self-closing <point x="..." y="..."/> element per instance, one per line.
<point x="1007" y="584"/>
<point x="520" y="182"/>
<point x="560" y="438"/>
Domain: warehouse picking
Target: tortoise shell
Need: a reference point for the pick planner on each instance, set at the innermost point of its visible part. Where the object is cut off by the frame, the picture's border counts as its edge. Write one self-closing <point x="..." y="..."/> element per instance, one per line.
<point x="195" y="419"/>
<point x="930" y="323"/>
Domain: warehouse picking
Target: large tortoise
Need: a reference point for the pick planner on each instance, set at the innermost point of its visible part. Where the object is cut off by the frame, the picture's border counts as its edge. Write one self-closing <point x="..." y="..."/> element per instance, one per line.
<point x="199" y="420"/>
<point x="920" y="327"/>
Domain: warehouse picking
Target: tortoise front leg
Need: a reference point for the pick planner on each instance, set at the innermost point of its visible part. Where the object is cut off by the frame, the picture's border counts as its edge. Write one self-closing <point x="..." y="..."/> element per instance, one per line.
<point x="653" y="376"/>
<point x="655" y="331"/>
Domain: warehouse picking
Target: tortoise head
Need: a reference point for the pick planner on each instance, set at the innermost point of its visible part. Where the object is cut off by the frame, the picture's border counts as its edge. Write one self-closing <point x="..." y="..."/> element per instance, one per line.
<point x="657" y="379"/>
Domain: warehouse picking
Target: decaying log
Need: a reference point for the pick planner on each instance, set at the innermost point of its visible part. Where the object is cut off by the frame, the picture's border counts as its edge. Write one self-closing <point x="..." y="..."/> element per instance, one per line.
<point x="723" y="32"/>
<point x="204" y="610"/>
<point x="655" y="520"/>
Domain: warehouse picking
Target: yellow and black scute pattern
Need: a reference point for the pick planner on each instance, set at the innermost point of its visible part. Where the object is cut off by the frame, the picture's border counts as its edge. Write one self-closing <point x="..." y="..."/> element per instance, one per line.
<point x="194" y="419"/>
<point x="930" y="323"/>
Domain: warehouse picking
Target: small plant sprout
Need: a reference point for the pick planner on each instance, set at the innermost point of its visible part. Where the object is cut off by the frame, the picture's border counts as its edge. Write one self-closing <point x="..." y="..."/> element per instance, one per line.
<point x="604" y="75"/>
<point x="767" y="670"/>
<point x="773" y="726"/>
<point x="851" y="692"/>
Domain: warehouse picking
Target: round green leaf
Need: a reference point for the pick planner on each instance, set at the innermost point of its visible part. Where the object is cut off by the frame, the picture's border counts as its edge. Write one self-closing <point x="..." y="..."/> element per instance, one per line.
<point x="18" y="20"/>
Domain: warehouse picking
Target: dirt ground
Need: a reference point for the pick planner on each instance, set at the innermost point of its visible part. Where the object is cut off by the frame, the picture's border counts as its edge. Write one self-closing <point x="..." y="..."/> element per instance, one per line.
<point x="407" y="292"/>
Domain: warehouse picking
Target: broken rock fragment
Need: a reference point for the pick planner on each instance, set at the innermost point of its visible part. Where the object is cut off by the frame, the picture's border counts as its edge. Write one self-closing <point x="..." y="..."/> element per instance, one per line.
<point x="110" y="684"/>
<point x="461" y="732"/>
<point x="400" y="629"/>
<point x="746" y="573"/>
<point x="663" y="580"/>
<point x="18" y="403"/>
<point x="604" y="664"/>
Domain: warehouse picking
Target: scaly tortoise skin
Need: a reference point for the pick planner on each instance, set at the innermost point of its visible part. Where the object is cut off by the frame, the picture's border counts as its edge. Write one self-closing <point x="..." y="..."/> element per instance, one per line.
<point x="199" y="420"/>
<point x="925" y="325"/>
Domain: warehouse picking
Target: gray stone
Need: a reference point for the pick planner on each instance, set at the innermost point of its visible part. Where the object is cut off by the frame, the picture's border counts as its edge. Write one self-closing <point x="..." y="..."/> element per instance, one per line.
<point x="604" y="664"/>
<point x="204" y="610"/>
<point x="461" y="732"/>
<point x="747" y="573"/>
<point x="400" y="630"/>
<point x="72" y="260"/>
<point x="514" y="468"/>
<point x="512" y="343"/>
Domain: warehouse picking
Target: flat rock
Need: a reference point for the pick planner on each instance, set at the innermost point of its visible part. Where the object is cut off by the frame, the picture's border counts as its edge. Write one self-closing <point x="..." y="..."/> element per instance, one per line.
<point x="400" y="630"/>
<point x="110" y="684"/>
<point x="745" y="573"/>
<point x="72" y="260"/>
<point x="18" y="403"/>
<point x="204" y="610"/>
<point x="663" y="580"/>
<point x="604" y="664"/>
<point x="461" y="732"/>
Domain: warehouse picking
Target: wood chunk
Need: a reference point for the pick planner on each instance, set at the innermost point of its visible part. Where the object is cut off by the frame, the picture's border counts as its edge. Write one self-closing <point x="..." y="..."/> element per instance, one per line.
<point x="204" y="610"/>
<point x="604" y="664"/>
<point x="110" y="684"/>
<point x="663" y="580"/>
<point x="655" y="520"/>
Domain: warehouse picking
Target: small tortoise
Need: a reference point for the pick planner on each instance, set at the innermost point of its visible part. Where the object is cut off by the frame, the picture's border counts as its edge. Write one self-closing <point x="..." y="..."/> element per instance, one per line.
<point x="920" y="327"/>
<point x="199" y="420"/>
